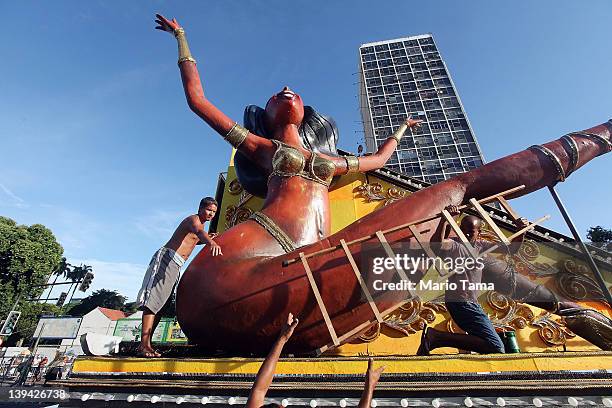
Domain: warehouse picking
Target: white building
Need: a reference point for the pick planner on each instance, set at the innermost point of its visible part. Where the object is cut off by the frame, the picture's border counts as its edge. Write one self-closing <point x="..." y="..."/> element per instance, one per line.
<point x="100" y="321"/>
<point x="407" y="76"/>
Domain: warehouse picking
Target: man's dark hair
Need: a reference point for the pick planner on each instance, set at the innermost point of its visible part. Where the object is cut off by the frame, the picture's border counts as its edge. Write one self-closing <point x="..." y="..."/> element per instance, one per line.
<point x="271" y="406"/>
<point x="207" y="200"/>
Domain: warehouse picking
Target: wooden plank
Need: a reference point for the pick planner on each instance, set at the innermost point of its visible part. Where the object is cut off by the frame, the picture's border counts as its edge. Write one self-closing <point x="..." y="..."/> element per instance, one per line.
<point x="357" y="329"/>
<point x="315" y="290"/>
<point x="451" y="221"/>
<point x="428" y="251"/>
<point x="504" y="203"/>
<point x="391" y="254"/>
<point x="485" y="215"/>
<point x="518" y="233"/>
<point x="401" y="226"/>
<point x="362" y="283"/>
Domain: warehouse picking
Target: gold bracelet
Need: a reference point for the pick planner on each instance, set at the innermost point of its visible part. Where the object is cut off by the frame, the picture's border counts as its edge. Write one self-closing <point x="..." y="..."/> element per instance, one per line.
<point x="236" y="135"/>
<point x="183" y="47"/>
<point x="399" y="133"/>
<point x="352" y="164"/>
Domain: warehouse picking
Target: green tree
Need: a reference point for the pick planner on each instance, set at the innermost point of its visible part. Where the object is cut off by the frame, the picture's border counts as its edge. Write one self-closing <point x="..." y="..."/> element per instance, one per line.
<point x="76" y="275"/>
<point x="600" y="237"/>
<point x="104" y="298"/>
<point x="28" y="256"/>
<point x="62" y="270"/>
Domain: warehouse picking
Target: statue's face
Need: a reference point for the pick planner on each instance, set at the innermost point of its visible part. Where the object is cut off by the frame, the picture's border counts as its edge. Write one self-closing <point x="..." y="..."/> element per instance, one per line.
<point x="284" y="108"/>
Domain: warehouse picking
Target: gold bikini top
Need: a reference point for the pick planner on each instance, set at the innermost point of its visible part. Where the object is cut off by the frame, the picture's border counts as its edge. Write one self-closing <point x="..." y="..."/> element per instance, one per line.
<point x="289" y="161"/>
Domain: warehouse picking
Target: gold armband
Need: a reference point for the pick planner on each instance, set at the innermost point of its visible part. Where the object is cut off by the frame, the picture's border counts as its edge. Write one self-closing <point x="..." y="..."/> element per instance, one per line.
<point x="399" y="133"/>
<point x="183" y="47"/>
<point x="236" y="135"/>
<point x="352" y="164"/>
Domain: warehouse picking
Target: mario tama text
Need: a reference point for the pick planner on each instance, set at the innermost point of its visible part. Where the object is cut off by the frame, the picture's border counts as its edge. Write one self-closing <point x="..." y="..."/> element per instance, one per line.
<point x="418" y="265"/>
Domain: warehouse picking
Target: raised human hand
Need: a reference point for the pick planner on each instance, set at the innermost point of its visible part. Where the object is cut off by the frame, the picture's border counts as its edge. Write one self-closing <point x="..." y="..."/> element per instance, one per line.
<point x="412" y="123"/>
<point x="373" y="375"/>
<point x="288" y="327"/>
<point x="166" y="25"/>
<point x="521" y="222"/>
<point x="453" y="210"/>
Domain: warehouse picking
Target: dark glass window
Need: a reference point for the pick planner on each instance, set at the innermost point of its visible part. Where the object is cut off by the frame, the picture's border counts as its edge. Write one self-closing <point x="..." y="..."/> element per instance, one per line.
<point x="390" y="89"/>
<point x="454" y="113"/>
<point x="423" y="141"/>
<point x="425" y="84"/>
<point x="377" y="90"/>
<point x="422" y="75"/>
<point x="408" y="86"/>
<point x="443" y="139"/>
<point x="448" y="151"/>
<point x="403" y="69"/>
<point x="373" y="82"/>
<point x="437" y="127"/>
<point x="369" y="57"/>
<point x="416" y="58"/>
<point x="435" y="115"/>
<point x="450" y="103"/>
<point x="442" y="82"/>
<point x="372" y="73"/>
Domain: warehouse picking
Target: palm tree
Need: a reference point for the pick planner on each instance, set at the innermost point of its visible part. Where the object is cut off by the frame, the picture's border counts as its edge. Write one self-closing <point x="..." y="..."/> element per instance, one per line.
<point x="62" y="269"/>
<point x="76" y="275"/>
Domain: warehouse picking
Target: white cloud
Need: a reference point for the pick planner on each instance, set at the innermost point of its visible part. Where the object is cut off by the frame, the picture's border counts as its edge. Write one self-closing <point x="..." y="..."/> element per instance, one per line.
<point x="10" y="199"/>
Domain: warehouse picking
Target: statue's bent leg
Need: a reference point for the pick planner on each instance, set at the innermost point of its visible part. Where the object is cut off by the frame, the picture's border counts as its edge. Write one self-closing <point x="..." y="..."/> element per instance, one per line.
<point x="238" y="301"/>
<point x="588" y="324"/>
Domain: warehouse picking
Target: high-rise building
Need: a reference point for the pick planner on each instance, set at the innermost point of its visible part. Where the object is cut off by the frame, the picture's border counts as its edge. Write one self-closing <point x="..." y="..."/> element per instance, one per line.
<point x="405" y="77"/>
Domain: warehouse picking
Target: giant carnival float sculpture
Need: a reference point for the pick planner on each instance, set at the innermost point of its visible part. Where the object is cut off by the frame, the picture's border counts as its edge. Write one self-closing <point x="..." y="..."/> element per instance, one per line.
<point x="287" y="154"/>
<point x="284" y="253"/>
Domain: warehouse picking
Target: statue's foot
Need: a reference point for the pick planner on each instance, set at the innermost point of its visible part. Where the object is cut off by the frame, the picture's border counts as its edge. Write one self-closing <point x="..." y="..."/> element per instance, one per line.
<point x="591" y="325"/>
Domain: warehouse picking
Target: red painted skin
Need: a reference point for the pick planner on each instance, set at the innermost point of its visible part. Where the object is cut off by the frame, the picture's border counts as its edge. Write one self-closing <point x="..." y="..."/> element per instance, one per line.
<point x="237" y="302"/>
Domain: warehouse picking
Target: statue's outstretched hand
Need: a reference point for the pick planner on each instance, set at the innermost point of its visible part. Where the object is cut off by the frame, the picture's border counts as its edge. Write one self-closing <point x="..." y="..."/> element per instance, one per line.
<point x="412" y="123"/>
<point x="166" y="25"/>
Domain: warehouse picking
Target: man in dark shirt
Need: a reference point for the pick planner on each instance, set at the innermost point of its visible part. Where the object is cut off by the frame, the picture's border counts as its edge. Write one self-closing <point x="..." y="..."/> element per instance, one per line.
<point x="462" y="300"/>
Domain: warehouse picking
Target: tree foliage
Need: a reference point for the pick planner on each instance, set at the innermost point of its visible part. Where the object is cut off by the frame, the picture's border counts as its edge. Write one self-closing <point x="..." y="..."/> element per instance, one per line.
<point x="28" y="257"/>
<point x="104" y="298"/>
<point x="600" y="237"/>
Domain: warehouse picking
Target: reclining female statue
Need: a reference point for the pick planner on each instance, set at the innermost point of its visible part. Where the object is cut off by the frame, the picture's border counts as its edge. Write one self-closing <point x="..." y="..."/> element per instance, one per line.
<point x="287" y="154"/>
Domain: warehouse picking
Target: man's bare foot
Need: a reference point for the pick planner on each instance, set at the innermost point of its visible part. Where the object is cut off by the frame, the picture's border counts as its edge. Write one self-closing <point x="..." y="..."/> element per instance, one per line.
<point x="147" y="352"/>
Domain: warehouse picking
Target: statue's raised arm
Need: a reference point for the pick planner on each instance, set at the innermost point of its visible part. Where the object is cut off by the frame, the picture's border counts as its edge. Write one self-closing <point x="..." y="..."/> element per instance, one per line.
<point x="255" y="147"/>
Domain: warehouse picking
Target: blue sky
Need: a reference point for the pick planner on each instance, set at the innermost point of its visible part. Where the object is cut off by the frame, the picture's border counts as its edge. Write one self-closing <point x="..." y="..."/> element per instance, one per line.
<point x="99" y="145"/>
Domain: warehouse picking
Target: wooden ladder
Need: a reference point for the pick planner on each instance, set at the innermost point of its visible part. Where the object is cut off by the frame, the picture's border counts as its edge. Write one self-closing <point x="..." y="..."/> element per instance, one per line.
<point x="411" y="226"/>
